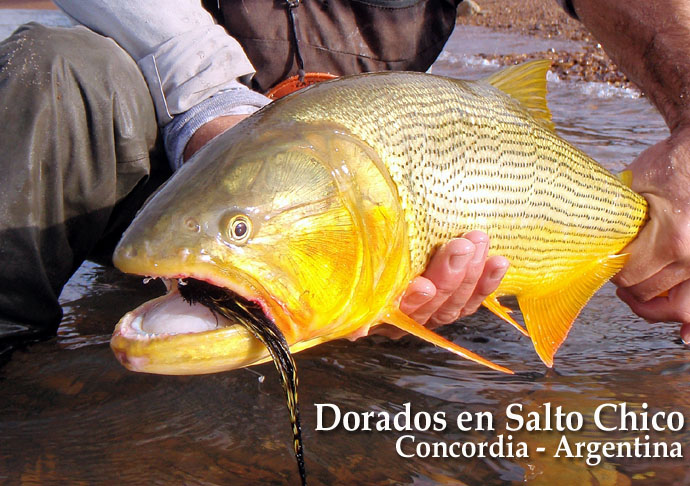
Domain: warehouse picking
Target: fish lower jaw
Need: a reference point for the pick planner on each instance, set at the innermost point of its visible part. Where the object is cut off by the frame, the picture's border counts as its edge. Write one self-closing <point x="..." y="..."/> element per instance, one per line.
<point x="169" y="336"/>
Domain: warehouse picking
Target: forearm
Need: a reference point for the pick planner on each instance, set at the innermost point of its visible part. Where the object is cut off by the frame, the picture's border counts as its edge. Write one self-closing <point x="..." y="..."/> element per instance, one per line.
<point x="650" y="42"/>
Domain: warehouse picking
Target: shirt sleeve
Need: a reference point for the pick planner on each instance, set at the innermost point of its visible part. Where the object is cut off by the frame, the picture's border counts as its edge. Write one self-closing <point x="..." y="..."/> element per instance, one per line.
<point x="183" y="54"/>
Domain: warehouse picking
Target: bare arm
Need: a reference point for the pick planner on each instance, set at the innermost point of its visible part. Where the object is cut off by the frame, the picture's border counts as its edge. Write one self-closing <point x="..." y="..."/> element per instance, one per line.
<point x="650" y="41"/>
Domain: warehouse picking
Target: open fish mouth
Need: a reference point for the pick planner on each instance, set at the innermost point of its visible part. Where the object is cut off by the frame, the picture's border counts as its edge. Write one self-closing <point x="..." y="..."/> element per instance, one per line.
<point x="189" y="306"/>
<point x="194" y="306"/>
<point x="175" y="313"/>
<point x="169" y="335"/>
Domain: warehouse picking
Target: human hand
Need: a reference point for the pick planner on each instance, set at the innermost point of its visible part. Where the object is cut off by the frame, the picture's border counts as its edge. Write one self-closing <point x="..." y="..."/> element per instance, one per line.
<point x="457" y="280"/>
<point x="655" y="282"/>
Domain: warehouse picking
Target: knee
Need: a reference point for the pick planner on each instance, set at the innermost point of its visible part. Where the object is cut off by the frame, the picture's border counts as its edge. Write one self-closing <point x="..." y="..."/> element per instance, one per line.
<point x="60" y="59"/>
<point x="45" y="50"/>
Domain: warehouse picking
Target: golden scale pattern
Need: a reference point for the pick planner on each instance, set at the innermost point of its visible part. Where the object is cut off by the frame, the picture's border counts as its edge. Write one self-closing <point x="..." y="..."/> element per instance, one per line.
<point x="465" y="156"/>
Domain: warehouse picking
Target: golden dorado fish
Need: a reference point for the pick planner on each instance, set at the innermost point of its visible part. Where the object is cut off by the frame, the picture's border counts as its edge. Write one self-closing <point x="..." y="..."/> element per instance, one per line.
<point x="323" y="206"/>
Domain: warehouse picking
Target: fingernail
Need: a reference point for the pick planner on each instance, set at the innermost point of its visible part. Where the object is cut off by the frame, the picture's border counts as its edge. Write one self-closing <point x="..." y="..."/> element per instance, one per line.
<point x="498" y="273"/>
<point x="458" y="262"/>
<point x="418" y="298"/>
<point x="479" y="252"/>
<point x="458" y="259"/>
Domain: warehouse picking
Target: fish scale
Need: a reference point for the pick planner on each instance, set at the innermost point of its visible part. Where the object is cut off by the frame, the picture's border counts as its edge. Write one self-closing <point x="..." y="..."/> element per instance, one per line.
<point x="466" y="156"/>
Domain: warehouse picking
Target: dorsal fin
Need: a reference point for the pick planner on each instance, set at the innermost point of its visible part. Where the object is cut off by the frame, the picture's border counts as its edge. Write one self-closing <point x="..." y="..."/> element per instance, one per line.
<point x="526" y="83"/>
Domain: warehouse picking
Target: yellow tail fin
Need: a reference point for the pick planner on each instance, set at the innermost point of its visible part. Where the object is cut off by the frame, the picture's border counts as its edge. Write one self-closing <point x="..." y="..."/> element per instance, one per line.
<point x="550" y="315"/>
<point x="407" y="324"/>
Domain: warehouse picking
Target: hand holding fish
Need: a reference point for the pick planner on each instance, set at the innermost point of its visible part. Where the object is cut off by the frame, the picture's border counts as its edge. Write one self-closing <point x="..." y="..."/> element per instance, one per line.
<point x="456" y="281"/>
<point x="656" y="281"/>
<point x="653" y="54"/>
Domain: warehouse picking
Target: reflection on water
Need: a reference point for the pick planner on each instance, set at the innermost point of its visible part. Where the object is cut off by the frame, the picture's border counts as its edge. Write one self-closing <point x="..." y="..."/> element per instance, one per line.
<point x="69" y="414"/>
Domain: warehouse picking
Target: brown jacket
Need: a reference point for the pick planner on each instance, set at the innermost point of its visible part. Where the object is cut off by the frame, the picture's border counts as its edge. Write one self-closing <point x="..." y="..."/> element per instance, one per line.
<point x="336" y="36"/>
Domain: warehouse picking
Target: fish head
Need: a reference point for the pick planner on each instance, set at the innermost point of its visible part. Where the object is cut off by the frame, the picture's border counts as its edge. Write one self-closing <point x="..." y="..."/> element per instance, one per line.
<point x="273" y="218"/>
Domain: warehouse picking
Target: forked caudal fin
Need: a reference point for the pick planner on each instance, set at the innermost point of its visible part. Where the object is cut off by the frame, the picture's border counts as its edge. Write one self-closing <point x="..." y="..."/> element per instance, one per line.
<point x="550" y="315"/>
<point x="396" y="318"/>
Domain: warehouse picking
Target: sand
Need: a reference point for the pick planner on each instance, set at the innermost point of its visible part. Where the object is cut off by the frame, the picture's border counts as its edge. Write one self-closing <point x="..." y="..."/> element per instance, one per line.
<point x="544" y="18"/>
<point x="28" y="4"/>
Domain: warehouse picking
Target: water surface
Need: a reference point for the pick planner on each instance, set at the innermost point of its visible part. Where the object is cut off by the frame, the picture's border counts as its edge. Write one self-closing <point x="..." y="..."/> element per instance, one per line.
<point x="70" y="414"/>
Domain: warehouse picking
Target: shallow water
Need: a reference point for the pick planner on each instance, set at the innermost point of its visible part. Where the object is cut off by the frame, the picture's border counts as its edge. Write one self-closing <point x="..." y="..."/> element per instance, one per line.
<point x="11" y="18"/>
<point x="70" y="414"/>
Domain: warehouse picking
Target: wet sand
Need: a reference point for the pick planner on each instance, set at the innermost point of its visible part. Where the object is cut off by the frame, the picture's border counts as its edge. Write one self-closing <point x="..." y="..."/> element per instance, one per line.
<point x="545" y="19"/>
<point x="28" y="4"/>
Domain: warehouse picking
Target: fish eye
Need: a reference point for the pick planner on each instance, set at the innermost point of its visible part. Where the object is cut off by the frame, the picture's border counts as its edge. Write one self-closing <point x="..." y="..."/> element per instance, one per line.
<point x="239" y="228"/>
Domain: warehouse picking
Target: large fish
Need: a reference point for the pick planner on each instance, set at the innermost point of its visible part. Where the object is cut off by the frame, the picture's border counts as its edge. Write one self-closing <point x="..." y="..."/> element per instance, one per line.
<point x="324" y="205"/>
<point x="319" y="210"/>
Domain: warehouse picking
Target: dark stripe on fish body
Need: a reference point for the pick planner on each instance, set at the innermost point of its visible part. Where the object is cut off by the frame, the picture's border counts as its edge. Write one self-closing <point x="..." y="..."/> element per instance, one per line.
<point x="465" y="155"/>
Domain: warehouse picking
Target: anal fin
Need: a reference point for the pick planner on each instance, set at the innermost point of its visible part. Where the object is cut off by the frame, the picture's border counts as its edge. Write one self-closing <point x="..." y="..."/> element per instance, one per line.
<point x="492" y="303"/>
<point x="402" y="321"/>
<point x="550" y="315"/>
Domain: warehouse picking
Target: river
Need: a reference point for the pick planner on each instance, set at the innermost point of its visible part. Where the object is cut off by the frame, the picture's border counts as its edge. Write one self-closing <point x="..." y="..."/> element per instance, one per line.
<point x="70" y="414"/>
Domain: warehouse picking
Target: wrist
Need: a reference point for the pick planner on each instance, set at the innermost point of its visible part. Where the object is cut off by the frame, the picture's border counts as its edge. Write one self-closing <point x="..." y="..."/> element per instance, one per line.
<point x="209" y="131"/>
<point x="178" y="133"/>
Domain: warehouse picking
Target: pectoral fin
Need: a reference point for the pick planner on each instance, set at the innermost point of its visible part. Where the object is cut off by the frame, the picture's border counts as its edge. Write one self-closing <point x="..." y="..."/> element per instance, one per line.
<point x="492" y="303"/>
<point x="402" y="321"/>
<point x="550" y="315"/>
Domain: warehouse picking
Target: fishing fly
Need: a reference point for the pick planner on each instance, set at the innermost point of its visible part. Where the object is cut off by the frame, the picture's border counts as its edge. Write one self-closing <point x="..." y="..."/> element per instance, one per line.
<point x="249" y="314"/>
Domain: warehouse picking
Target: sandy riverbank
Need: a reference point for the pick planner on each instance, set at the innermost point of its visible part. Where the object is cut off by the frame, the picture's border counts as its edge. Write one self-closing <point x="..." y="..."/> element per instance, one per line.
<point x="28" y="4"/>
<point x="544" y="18"/>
